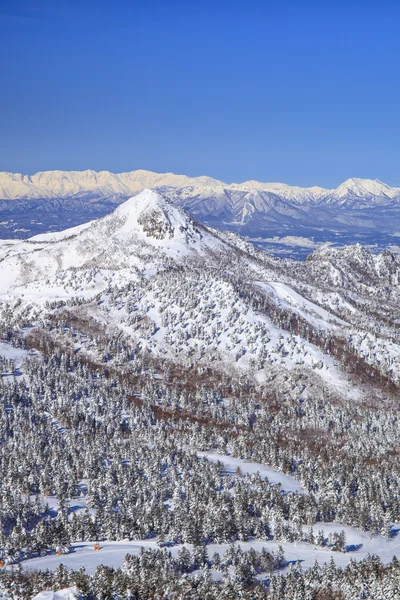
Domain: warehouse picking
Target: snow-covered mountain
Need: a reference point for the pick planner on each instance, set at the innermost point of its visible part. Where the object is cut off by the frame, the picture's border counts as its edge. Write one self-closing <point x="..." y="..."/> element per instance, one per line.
<point x="287" y="192"/>
<point x="362" y="193"/>
<point x="208" y="294"/>
<point x="139" y="231"/>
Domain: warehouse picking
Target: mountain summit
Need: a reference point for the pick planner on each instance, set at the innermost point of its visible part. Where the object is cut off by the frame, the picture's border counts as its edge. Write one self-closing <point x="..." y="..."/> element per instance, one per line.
<point x="151" y="215"/>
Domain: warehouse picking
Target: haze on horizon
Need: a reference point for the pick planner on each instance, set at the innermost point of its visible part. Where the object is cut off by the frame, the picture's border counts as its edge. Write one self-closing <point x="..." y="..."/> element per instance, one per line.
<point x="302" y="93"/>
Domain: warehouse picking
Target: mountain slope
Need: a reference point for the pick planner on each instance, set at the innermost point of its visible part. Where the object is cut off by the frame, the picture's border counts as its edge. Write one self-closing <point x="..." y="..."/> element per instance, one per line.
<point x="167" y="384"/>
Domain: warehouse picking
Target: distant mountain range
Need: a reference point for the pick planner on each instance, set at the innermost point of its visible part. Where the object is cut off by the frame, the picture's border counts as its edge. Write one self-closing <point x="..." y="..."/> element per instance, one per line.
<point x="103" y="184"/>
<point x="264" y="212"/>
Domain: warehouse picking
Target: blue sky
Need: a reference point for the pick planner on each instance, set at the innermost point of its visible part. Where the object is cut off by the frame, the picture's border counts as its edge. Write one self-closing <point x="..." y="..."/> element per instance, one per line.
<point x="303" y="92"/>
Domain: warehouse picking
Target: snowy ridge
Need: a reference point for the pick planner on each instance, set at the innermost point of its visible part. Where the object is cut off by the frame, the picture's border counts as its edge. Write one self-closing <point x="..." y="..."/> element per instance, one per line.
<point x="104" y="184"/>
<point x="56" y="184"/>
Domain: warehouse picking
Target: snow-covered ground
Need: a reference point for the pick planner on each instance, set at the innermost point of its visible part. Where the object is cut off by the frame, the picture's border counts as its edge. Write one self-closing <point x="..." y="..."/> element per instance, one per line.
<point x="112" y="554"/>
<point x="17" y="355"/>
<point x="65" y="594"/>
<point x="231" y="464"/>
<point x="76" y="504"/>
<point x="314" y="314"/>
<point x="9" y="352"/>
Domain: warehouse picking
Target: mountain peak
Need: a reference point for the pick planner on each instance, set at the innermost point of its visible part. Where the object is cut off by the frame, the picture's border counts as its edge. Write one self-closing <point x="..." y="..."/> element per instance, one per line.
<point x="147" y="198"/>
<point x="151" y="215"/>
<point x="362" y="187"/>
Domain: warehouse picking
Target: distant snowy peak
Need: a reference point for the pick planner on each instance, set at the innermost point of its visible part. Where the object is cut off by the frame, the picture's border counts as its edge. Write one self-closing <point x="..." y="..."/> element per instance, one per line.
<point x="360" y="187"/>
<point x="288" y="192"/>
<point x="364" y="190"/>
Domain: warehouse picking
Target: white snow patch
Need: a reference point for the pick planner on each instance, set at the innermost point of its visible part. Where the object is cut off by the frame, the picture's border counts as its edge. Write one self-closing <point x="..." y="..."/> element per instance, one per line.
<point x="65" y="594"/>
<point x="9" y="352"/>
<point x="288" y="483"/>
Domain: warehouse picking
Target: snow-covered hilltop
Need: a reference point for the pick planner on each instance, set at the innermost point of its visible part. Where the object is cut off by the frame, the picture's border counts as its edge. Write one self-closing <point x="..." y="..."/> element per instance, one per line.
<point x="144" y="229"/>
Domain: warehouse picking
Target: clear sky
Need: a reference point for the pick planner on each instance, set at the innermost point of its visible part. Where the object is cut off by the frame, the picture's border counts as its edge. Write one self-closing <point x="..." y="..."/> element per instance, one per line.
<point x="303" y="92"/>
